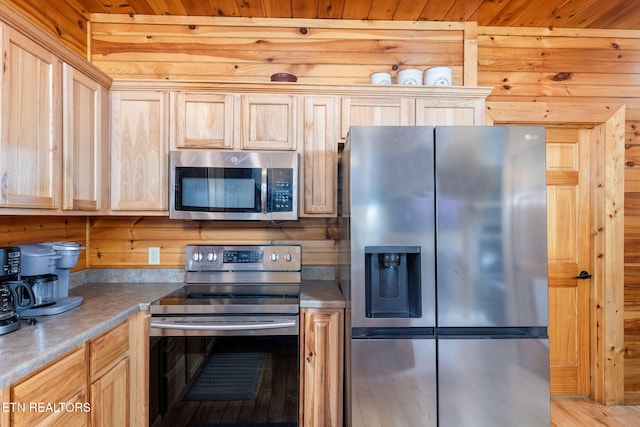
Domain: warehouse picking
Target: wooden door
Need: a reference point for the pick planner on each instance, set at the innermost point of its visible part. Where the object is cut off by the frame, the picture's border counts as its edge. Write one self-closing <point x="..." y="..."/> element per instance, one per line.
<point x="139" y="151"/>
<point x="268" y="122"/>
<point x="440" y="111"/>
<point x="85" y="142"/>
<point x="318" y="189"/>
<point x="321" y="367"/>
<point x="110" y="397"/>
<point x="59" y="385"/>
<point x="569" y="252"/>
<point x="204" y="120"/>
<point x="375" y="111"/>
<point x="31" y="127"/>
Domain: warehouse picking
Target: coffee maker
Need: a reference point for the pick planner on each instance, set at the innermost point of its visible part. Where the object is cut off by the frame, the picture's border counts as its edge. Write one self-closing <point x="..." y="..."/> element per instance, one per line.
<point x="15" y="295"/>
<point x="46" y="268"/>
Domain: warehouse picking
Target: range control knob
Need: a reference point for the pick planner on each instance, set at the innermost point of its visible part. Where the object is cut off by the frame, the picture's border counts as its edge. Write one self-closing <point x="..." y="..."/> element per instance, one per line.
<point x="288" y="257"/>
<point x="211" y="256"/>
<point x="196" y="256"/>
<point x="274" y="257"/>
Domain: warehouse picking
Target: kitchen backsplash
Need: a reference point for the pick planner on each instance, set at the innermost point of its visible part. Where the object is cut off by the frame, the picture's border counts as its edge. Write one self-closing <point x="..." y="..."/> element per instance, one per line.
<point x="171" y="275"/>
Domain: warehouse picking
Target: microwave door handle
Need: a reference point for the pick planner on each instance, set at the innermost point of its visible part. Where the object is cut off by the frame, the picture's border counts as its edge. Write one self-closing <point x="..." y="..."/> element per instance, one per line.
<point x="263" y="191"/>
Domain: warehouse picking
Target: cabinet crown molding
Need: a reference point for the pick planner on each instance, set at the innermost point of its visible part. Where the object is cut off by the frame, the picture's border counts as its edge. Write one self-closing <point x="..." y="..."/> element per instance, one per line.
<point x="311" y="89"/>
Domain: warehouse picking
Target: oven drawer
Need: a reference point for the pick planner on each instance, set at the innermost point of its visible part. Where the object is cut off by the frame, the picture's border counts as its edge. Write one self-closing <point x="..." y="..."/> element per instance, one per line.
<point x="223" y="325"/>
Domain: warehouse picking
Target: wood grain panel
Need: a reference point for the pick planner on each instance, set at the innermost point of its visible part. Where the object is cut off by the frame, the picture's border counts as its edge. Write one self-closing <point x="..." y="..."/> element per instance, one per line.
<point x="551" y="13"/>
<point x="31" y="229"/>
<point x="122" y="242"/>
<point x="108" y="349"/>
<point x="251" y="50"/>
<point x="321" y="367"/>
<point x="59" y="18"/>
<point x="63" y="380"/>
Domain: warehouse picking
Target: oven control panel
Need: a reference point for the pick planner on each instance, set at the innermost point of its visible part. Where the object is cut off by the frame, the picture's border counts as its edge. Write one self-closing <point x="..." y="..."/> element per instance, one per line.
<point x="243" y="258"/>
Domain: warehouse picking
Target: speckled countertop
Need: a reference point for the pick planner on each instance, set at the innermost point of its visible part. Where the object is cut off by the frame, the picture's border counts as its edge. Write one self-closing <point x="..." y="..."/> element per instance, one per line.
<point x="104" y="306"/>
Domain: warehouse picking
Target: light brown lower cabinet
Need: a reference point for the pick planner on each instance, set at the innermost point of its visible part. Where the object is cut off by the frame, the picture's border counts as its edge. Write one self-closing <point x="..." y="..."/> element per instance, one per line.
<point x="110" y="397"/>
<point x="54" y="395"/>
<point x="109" y="365"/>
<point x="321" y="367"/>
<point x="99" y="384"/>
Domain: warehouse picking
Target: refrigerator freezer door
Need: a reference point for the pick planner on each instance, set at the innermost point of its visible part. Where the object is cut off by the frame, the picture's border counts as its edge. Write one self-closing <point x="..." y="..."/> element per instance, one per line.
<point x="491" y="226"/>
<point x="493" y="382"/>
<point x="393" y="383"/>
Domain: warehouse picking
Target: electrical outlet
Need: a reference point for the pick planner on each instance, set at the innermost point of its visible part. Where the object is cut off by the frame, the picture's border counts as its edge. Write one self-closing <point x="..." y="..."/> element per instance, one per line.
<point x="154" y="256"/>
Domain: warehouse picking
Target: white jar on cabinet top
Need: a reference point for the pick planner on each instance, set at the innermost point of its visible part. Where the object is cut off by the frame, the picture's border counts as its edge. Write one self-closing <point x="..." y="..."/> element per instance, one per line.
<point x="380" y="78"/>
<point x="410" y="76"/>
<point x="438" y="76"/>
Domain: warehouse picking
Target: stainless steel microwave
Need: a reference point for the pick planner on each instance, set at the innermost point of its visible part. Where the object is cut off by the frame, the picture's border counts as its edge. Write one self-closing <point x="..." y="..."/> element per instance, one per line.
<point x="243" y="185"/>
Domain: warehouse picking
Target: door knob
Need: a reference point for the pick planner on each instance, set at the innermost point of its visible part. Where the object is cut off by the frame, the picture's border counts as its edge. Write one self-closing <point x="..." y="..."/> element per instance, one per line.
<point x="583" y="275"/>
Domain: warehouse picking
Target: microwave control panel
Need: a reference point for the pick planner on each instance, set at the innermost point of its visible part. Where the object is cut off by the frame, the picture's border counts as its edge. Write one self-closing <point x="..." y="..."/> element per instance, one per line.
<point x="280" y="184"/>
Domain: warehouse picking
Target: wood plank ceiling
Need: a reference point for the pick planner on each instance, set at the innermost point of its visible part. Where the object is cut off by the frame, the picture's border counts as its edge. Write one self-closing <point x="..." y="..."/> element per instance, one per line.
<point x="602" y="14"/>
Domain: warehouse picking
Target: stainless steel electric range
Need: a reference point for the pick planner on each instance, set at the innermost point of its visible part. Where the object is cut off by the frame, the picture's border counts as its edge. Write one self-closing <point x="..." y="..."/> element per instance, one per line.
<point x="234" y="325"/>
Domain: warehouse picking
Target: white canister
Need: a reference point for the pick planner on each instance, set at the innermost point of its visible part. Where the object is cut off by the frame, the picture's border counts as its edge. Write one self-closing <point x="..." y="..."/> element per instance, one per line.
<point x="410" y="76"/>
<point x="380" y="78"/>
<point x="438" y="76"/>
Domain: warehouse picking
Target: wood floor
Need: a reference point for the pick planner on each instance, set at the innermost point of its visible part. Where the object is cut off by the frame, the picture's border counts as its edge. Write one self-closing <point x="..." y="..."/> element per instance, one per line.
<point x="584" y="412"/>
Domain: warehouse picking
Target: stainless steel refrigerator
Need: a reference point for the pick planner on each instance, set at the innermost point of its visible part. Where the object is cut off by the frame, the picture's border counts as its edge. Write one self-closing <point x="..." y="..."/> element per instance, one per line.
<point x="446" y="276"/>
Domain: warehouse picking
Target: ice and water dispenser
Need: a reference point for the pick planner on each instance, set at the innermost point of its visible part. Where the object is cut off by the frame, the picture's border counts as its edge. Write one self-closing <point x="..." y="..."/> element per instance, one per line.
<point x="392" y="281"/>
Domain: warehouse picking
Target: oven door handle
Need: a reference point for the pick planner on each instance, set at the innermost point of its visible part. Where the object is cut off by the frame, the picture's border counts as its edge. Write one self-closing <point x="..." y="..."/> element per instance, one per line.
<point x="203" y="326"/>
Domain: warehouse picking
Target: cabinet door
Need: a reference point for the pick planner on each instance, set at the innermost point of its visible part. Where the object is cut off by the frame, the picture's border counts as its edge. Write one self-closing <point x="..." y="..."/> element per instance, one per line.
<point x="372" y="111"/>
<point x="85" y="143"/>
<point x="319" y="156"/>
<point x="204" y="120"/>
<point x="63" y="382"/>
<point x="31" y="127"/>
<point x="450" y="112"/>
<point x="110" y="397"/>
<point x="139" y="151"/>
<point x="268" y="122"/>
<point x="321" y="367"/>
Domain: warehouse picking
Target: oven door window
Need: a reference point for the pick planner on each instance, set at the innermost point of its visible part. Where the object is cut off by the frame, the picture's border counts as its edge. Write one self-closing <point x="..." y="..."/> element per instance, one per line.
<point x="224" y="381"/>
<point x="218" y="189"/>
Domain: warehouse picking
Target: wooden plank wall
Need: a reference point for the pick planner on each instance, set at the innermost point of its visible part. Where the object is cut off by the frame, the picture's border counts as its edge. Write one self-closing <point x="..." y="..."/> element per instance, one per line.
<point x="594" y="67"/>
<point x="57" y="18"/>
<point x="251" y="50"/>
<point x="122" y="242"/>
<point x="31" y="229"/>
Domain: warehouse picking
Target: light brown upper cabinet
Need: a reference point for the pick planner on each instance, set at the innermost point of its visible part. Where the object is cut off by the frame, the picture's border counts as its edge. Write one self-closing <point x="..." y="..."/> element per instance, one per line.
<point x="139" y="152"/>
<point x="30" y="142"/>
<point x="450" y="111"/>
<point x="53" y="126"/>
<point x="268" y="121"/>
<point x="240" y="121"/>
<point x="85" y="143"/>
<point x="204" y="120"/>
<point x="311" y="120"/>
<point x="378" y="111"/>
<point x="426" y="106"/>
<point x="319" y="156"/>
